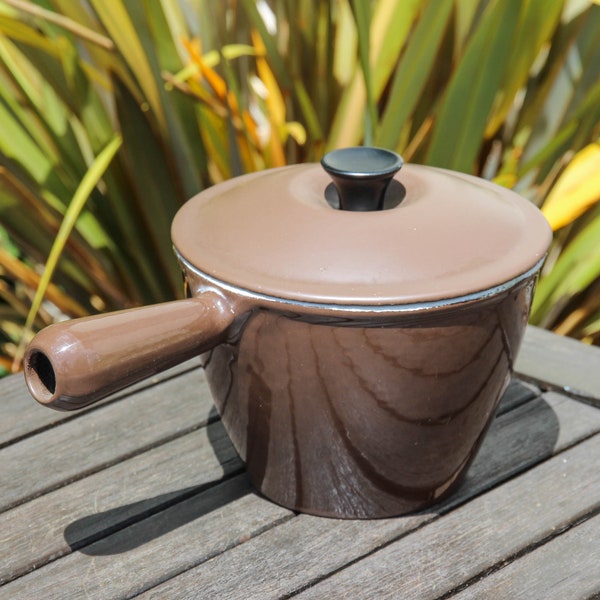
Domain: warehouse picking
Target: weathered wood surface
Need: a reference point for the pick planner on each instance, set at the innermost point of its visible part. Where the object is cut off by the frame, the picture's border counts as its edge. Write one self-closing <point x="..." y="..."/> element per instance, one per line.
<point x="515" y="443"/>
<point x="567" y="566"/>
<point x="115" y="498"/>
<point x="23" y="418"/>
<point x="78" y="447"/>
<point x="480" y="535"/>
<point x="144" y="496"/>
<point x="560" y="363"/>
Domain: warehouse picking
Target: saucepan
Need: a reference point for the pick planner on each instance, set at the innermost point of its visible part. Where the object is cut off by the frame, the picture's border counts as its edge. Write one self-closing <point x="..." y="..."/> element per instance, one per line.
<point x="357" y="322"/>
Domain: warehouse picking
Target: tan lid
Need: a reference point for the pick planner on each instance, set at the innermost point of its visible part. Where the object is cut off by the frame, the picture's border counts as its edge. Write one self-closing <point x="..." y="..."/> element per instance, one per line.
<point x="275" y="233"/>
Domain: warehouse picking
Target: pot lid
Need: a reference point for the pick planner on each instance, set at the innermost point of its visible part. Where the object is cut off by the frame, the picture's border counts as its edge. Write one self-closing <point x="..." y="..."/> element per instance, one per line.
<point x="418" y="235"/>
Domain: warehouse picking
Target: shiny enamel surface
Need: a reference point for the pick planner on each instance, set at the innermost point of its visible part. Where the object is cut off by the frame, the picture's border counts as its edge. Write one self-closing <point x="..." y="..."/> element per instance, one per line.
<point x="76" y="363"/>
<point x="274" y="233"/>
<point x="364" y="417"/>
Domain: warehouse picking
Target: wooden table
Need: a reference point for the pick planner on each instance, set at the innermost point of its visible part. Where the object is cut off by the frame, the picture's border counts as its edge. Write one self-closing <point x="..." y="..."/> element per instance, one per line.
<point x="144" y="496"/>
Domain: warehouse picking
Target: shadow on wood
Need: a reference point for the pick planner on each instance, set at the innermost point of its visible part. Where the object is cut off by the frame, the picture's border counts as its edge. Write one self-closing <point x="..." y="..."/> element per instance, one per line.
<point x="518" y="440"/>
<point x="84" y="533"/>
<point x="191" y="504"/>
<point x="534" y="431"/>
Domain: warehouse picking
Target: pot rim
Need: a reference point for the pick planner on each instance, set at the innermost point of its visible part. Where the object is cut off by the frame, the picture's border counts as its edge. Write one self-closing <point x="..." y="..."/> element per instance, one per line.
<point x="273" y="232"/>
<point x="375" y="309"/>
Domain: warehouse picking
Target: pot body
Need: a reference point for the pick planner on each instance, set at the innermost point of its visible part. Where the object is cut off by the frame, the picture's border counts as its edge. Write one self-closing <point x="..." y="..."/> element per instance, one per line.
<point x="364" y="415"/>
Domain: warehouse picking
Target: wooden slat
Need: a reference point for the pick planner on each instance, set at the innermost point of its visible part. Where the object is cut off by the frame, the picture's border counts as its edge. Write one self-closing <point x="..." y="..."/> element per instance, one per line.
<point x="533" y="432"/>
<point x="128" y="491"/>
<point x="130" y="486"/>
<point x="568" y="566"/>
<point x="21" y="415"/>
<point x="74" y="515"/>
<point x="215" y="538"/>
<point x="161" y="546"/>
<point x="516" y="393"/>
<point x="489" y="530"/>
<point x="78" y="447"/>
<point x="560" y="363"/>
<point x="305" y="549"/>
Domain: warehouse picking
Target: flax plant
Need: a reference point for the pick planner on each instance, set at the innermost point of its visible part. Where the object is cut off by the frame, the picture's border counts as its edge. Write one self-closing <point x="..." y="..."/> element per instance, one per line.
<point x="112" y="114"/>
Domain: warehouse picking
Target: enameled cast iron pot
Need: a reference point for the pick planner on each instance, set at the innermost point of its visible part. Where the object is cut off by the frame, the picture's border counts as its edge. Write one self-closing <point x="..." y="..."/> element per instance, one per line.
<point x="356" y="356"/>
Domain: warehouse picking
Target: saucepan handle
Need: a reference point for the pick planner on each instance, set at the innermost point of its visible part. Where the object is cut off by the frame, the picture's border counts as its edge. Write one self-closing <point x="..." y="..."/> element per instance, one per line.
<point x="75" y="363"/>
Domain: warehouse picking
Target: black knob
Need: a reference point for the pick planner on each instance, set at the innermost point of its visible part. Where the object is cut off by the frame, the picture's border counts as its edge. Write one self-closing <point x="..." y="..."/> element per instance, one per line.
<point x="361" y="175"/>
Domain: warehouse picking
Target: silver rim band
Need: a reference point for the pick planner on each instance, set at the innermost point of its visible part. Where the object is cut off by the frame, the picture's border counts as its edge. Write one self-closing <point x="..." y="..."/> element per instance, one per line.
<point x="365" y="308"/>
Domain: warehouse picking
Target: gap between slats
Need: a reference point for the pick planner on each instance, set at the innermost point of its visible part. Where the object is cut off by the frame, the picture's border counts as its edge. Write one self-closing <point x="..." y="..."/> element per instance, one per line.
<point x="66" y="417"/>
<point x="521" y="553"/>
<point x="486" y="481"/>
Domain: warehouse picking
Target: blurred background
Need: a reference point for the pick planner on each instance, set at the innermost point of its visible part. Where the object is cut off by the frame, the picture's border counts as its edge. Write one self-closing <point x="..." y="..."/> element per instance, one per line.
<point x="113" y="113"/>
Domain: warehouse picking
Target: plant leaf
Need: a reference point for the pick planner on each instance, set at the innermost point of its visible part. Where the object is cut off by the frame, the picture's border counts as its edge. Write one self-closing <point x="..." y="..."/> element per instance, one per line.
<point x="577" y="189"/>
<point x="76" y="205"/>
<point x="391" y="24"/>
<point x="537" y="22"/>
<point x="465" y="109"/>
<point x="362" y="15"/>
<point x="577" y="267"/>
<point x="116" y="19"/>
<point x="413" y="71"/>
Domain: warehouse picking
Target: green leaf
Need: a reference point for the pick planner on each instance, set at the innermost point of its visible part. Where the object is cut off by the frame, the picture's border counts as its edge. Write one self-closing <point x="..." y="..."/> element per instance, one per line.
<point x="537" y="21"/>
<point x="577" y="267"/>
<point x="189" y="160"/>
<point x="362" y="15"/>
<point x="391" y="24"/>
<point x="463" y="114"/>
<point x="155" y="193"/>
<point x="29" y="81"/>
<point x="76" y="205"/>
<point x="115" y="17"/>
<point x="17" y="144"/>
<point x="345" y="44"/>
<point x="467" y="13"/>
<point x="550" y="94"/>
<point x="413" y="71"/>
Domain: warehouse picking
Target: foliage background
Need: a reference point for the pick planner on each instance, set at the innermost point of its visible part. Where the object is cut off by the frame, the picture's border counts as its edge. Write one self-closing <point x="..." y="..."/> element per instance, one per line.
<point x="112" y="114"/>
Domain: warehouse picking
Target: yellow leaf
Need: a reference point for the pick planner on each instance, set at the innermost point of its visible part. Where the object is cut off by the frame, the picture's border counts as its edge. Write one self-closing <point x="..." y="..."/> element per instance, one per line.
<point x="274" y="100"/>
<point x="83" y="191"/>
<point x="297" y="131"/>
<point x="116" y="18"/>
<point x="216" y="82"/>
<point x="29" y="277"/>
<point x="577" y="189"/>
<point x="507" y="180"/>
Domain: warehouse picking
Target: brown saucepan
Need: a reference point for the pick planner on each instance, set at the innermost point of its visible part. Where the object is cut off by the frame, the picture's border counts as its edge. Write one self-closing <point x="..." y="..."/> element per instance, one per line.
<point x="357" y="334"/>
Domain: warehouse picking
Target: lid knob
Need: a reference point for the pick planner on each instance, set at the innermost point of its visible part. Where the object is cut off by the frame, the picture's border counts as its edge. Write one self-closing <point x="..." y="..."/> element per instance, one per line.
<point x="361" y="175"/>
